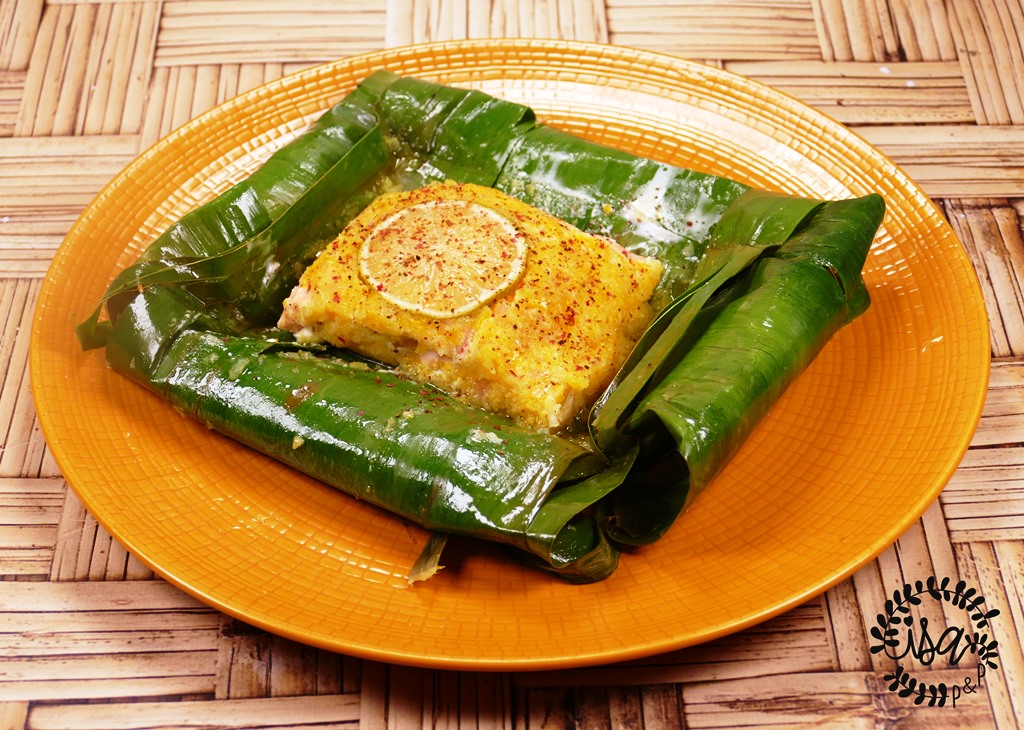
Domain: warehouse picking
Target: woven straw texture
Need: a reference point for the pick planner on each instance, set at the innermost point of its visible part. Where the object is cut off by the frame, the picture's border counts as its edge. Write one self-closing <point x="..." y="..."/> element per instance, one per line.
<point x="91" y="638"/>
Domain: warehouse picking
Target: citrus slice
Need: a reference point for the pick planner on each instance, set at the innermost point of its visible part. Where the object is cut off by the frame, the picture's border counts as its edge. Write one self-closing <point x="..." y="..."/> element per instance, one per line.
<point x="443" y="258"/>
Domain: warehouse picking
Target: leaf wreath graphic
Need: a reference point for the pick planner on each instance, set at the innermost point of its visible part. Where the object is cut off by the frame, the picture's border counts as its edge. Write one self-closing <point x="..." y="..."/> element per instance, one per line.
<point x="961" y="596"/>
<point x="897" y="611"/>
<point x="905" y="685"/>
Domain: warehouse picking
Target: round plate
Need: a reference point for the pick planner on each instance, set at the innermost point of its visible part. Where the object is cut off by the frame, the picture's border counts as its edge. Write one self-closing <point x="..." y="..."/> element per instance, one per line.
<point x="855" y="451"/>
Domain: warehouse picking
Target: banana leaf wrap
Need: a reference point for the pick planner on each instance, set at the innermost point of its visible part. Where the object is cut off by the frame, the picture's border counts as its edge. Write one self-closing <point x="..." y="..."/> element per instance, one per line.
<point x="782" y="279"/>
<point x="754" y="285"/>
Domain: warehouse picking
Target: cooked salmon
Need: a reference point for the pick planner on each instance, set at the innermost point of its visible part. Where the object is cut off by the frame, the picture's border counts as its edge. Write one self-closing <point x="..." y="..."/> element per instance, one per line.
<point x="481" y="295"/>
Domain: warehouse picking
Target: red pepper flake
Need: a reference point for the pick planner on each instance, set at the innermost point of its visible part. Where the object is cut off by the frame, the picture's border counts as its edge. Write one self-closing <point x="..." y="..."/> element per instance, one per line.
<point x="336" y="299"/>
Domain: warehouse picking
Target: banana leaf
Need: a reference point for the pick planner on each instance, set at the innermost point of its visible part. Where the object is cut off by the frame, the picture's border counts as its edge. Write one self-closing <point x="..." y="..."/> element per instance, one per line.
<point x="206" y="247"/>
<point x="374" y="434"/>
<point x="721" y="359"/>
<point x="746" y="273"/>
<point x="434" y="132"/>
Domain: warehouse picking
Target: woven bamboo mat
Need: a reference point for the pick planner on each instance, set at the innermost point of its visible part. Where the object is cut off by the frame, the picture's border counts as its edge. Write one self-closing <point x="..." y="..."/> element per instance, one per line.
<point x="90" y="638"/>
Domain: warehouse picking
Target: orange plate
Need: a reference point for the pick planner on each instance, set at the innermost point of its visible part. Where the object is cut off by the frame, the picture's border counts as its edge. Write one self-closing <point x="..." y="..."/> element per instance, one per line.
<point x="856" y="450"/>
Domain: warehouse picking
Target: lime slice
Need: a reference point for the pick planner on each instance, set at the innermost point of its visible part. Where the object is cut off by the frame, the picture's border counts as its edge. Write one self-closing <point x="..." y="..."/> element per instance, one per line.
<point x="443" y="258"/>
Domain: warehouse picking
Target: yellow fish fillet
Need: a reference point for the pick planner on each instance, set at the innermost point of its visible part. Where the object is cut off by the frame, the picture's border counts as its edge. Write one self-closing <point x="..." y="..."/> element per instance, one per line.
<point x="487" y="298"/>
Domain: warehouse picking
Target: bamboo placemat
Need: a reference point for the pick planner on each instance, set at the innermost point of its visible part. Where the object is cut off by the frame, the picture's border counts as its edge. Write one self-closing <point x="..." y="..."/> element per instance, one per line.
<point x="89" y="638"/>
